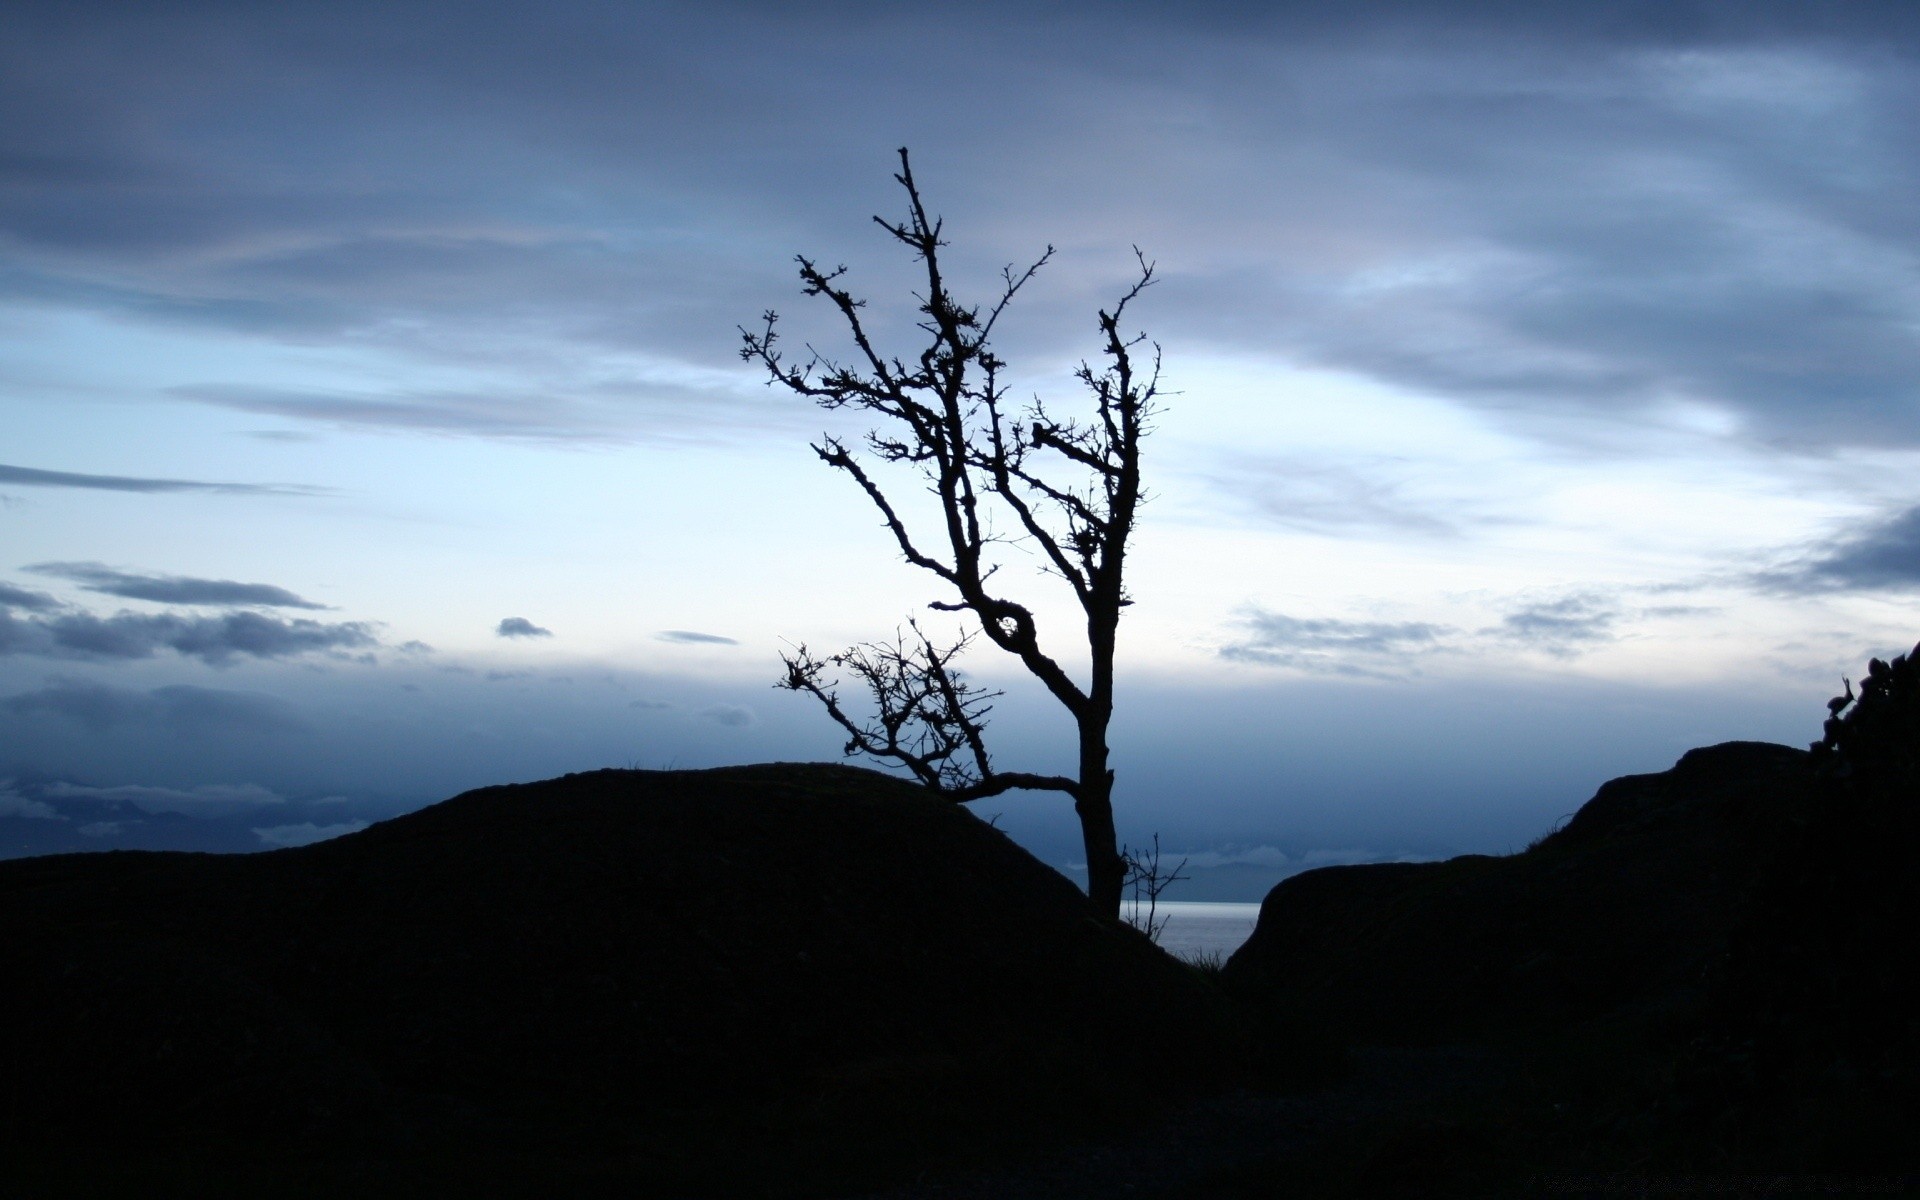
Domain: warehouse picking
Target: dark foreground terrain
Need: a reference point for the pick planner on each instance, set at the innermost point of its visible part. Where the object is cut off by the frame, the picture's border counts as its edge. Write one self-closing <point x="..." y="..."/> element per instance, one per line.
<point x="779" y="978"/>
<point x="813" y="980"/>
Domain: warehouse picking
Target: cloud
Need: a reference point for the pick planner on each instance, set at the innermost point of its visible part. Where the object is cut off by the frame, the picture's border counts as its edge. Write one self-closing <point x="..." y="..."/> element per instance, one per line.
<point x="215" y="640"/>
<point x="1561" y="628"/>
<point x="734" y="716"/>
<point x="520" y="627"/>
<point x="33" y="477"/>
<point x="1528" y="209"/>
<point x="692" y="638"/>
<point x="211" y="800"/>
<point x="93" y="705"/>
<point x="467" y="414"/>
<point x="1322" y="496"/>
<point x="13" y="597"/>
<point x="1236" y="856"/>
<point x="179" y="707"/>
<point x="1325" y="644"/>
<point x="201" y="708"/>
<point x="306" y="833"/>
<point x="13" y="804"/>
<point x="1884" y="555"/>
<point x="170" y="589"/>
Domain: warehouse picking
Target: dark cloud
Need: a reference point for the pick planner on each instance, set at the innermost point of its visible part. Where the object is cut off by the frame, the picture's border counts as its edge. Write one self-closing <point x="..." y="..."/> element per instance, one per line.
<point x="170" y="589"/>
<point x="1883" y="556"/>
<point x="1369" y="648"/>
<point x="33" y="477"/>
<point x="209" y="800"/>
<point x="691" y="637"/>
<point x="13" y="804"/>
<point x="1562" y="627"/>
<point x="13" y="597"/>
<point x="180" y="707"/>
<point x="1528" y="207"/>
<point x="520" y="627"/>
<point x="215" y="640"/>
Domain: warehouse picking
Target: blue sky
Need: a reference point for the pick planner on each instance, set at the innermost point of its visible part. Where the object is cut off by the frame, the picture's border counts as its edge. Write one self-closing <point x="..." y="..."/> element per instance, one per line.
<point x="1546" y="394"/>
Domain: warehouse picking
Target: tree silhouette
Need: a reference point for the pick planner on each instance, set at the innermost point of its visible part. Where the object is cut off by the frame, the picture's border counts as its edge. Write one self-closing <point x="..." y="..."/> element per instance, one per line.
<point x="1072" y="488"/>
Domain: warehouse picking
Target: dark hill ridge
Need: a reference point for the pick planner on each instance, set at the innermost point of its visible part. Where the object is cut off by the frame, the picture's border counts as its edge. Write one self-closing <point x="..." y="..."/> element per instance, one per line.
<point x="1703" y="981"/>
<point x="1628" y="908"/>
<point x="806" y="979"/>
<point x="620" y="963"/>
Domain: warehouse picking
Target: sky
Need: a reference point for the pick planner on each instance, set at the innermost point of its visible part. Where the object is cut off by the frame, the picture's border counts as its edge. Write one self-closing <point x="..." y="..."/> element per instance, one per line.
<point x="1543" y="396"/>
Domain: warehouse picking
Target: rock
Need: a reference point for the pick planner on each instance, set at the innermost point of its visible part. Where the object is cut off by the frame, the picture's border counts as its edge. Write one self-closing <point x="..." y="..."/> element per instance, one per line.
<point x="1627" y="910"/>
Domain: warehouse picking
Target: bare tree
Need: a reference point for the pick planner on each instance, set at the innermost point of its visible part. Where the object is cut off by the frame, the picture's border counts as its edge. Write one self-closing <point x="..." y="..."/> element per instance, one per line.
<point x="1145" y="880"/>
<point x="1071" y="487"/>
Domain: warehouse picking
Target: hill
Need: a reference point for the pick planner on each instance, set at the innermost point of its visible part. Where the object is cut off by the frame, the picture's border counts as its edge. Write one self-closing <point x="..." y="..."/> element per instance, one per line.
<point x="1703" y="979"/>
<point x="1629" y="907"/>
<point x="748" y="979"/>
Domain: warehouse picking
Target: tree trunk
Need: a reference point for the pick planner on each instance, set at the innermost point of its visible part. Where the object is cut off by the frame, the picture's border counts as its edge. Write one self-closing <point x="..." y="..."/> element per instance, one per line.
<point x="1106" y="874"/>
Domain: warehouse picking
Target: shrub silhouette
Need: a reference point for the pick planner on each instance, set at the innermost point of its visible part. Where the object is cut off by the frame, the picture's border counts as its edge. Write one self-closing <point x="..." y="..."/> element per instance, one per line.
<point x="1817" y="1032"/>
<point x="1872" y="740"/>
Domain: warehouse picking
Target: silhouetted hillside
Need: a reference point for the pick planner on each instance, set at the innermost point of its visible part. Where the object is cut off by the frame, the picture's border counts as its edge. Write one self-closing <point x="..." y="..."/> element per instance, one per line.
<point x="1707" y="970"/>
<point x="1815" y="1024"/>
<point x="723" y="979"/>
<point x="803" y="979"/>
<point x="1630" y="905"/>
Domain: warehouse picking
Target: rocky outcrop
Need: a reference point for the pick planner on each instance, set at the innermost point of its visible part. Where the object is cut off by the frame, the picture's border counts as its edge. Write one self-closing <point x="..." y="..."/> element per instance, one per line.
<point x="1629" y="909"/>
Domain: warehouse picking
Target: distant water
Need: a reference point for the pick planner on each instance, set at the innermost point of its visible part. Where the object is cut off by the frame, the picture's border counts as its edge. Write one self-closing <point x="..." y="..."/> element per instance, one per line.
<point x="1198" y="929"/>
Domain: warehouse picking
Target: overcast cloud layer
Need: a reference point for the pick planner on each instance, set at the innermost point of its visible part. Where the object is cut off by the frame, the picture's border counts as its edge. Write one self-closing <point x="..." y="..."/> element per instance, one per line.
<point x="1530" y="211"/>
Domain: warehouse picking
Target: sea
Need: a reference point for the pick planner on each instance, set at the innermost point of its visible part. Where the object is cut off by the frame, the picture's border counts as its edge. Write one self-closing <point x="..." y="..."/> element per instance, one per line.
<point x="1198" y="930"/>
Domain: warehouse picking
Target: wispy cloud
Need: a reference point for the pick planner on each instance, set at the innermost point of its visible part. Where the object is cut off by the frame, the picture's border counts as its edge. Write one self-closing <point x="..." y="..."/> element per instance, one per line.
<point x="13" y="597"/>
<point x="1883" y="555"/>
<point x="170" y="589"/>
<point x="534" y="417"/>
<point x="210" y="800"/>
<point x="215" y="640"/>
<point x="1562" y="627"/>
<point x="691" y="637"/>
<point x="34" y="477"/>
<point x="1330" y="645"/>
<point x="1323" y="495"/>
